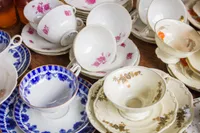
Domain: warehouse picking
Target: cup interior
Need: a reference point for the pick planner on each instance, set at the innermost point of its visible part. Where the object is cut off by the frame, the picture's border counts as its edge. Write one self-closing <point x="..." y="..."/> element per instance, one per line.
<point x="134" y="87"/>
<point x="178" y="35"/>
<point x="4" y="40"/>
<point x="48" y="86"/>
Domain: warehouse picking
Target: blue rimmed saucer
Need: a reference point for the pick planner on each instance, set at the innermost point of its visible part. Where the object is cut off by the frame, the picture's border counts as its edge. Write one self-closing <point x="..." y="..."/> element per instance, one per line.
<point x="20" y="57"/>
<point x="7" y="122"/>
<point x="31" y="121"/>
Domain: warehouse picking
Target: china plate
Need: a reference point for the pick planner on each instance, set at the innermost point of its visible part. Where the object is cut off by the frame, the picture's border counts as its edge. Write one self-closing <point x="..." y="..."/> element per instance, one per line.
<point x="127" y="55"/>
<point x="38" y="44"/>
<point x="192" y="16"/>
<point x="161" y="117"/>
<point x="185" y="74"/>
<point x="195" y="126"/>
<point x="88" y="5"/>
<point x="140" y="30"/>
<point x="7" y="122"/>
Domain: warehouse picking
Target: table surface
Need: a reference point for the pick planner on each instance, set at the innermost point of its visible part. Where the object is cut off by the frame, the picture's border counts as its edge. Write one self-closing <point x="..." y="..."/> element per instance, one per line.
<point x="147" y="51"/>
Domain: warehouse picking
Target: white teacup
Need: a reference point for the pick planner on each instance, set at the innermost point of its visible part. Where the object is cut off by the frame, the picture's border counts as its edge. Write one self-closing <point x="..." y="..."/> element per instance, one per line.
<point x="135" y="91"/>
<point x="59" y="25"/>
<point x="176" y="38"/>
<point x="35" y="10"/>
<point x="114" y="17"/>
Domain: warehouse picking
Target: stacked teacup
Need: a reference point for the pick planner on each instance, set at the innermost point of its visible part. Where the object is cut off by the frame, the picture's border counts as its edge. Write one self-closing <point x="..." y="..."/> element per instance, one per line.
<point x="103" y="45"/>
<point x="52" y="28"/>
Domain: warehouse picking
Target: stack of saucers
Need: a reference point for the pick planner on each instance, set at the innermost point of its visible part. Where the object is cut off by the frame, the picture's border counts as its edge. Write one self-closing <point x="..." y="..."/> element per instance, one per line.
<point x="103" y="46"/>
<point x="52" y="27"/>
<point x="149" y="12"/>
<point x="85" y="6"/>
<point x="139" y="99"/>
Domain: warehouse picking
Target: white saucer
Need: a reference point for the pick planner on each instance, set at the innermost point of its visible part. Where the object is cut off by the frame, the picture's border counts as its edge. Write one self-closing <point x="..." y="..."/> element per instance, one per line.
<point x="140" y="30"/>
<point x="38" y="44"/>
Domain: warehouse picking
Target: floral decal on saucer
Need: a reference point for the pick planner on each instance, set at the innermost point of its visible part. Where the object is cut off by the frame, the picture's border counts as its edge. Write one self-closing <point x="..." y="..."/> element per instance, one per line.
<point x="68" y="13"/>
<point x="42" y="7"/>
<point x="121" y="35"/>
<point x="102" y="59"/>
<point x="129" y="56"/>
<point x="121" y="127"/>
<point x="90" y="2"/>
<point x="181" y="115"/>
<point x="46" y="30"/>
<point x="31" y="41"/>
<point x="123" y="45"/>
<point x="30" y="30"/>
<point x="194" y="15"/>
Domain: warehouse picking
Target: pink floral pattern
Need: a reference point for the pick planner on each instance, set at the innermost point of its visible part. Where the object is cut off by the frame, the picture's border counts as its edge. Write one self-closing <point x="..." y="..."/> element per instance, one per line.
<point x="31" y="41"/>
<point x="101" y="60"/>
<point x="46" y="30"/>
<point x="129" y="56"/>
<point x="30" y="30"/>
<point x="68" y="13"/>
<point x="118" y="38"/>
<point x="123" y="45"/>
<point x="90" y="2"/>
<point x="42" y="8"/>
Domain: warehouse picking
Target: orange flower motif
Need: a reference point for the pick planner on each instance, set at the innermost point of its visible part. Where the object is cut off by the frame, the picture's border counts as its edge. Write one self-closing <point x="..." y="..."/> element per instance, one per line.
<point x="161" y="35"/>
<point x="183" y="62"/>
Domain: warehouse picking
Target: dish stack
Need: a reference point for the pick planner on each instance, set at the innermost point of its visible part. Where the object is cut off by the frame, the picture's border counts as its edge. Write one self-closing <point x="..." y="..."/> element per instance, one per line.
<point x="85" y="6"/>
<point x="139" y="99"/>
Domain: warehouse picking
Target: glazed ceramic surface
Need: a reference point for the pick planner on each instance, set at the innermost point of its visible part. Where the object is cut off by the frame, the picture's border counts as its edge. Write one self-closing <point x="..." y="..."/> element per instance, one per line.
<point x="182" y="72"/>
<point x="38" y="44"/>
<point x="88" y="5"/>
<point x="162" y="9"/>
<point x="110" y="117"/>
<point x="95" y="48"/>
<point x="8" y="79"/>
<point x="125" y="88"/>
<point x="120" y="25"/>
<point x="176" y="38"/>
<point x="35" y="10"/>
<point x="140" y="30"/>
<point x="193" y="62"/>
<point x="195" y="127"/>
<point x="30" y="120"/>
<point x="54" y="86"/>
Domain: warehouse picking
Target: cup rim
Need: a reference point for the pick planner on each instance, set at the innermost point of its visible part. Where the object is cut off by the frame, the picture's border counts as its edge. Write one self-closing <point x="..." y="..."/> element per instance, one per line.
<point x="20" y="95"/>
<point x="143" y="68"/>
<point x="168" y="19"/>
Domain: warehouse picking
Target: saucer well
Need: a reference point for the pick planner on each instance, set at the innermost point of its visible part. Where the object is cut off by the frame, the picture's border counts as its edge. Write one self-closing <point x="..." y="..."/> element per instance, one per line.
<point x="140" y="30"/>
<point x="160" y="118"/>
<point x="38" y="44"/>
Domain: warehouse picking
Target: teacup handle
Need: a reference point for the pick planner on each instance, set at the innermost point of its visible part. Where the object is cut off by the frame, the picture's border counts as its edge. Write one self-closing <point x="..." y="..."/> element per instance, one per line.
<point x="80" y="24"/>
<point x="68" y="38"/>
<point x="13" y="42"/>
<point x="74" y="67"/>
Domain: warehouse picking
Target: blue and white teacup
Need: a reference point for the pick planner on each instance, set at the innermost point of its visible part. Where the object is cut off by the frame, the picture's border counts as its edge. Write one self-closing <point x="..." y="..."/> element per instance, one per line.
<point x="6" y="42"/>
<point x="50" y="89"/>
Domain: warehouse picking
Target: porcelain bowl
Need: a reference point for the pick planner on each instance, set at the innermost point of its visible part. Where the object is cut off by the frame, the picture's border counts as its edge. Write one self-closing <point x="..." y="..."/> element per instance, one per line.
<point x="95" y="48"/>
<point x="114" y="17"/>
<point x="134" y="91"/>
<point x="48" y="88"/>
<point x="176" y="38"/>
<point x="166" y="9"/>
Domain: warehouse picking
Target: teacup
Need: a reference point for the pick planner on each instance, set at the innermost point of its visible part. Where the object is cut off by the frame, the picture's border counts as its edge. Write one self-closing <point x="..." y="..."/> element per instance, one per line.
<point x="114" y="17"/>
<point x="166" y="9"/>
<point x="95" y="48"/>
<point x="7" y="43"/>
<point x="59" y="26"/>
<point x="135" y="91"/>
<point x="50" y="89"/>
<point x="176" y="38"/>
<point x="35" y="10"/>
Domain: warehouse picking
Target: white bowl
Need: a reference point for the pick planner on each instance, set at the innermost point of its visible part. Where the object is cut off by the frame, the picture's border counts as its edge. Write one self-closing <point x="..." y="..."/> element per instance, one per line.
<point x="95" y="48"/>
<point x="176" y="38"/>
<point x="134" y="91"/>
<point x="114" y="17"/>
<point x="166" y="9"/>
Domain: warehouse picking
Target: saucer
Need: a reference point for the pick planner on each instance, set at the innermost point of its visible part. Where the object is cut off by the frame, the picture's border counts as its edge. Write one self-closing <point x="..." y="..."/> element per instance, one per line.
<point x="193" y="62"/>
<point x="185" y="74"/>
<point x="127" y="55"/>
<point x="140" y="30"/>
<point x="192" y="16"/>
<point x="184" y="98"/>
<point x="160" y="118"/>
<point x="38" y="44"/>
<point x="195" y="126"/>
<point x="53" y="53"/>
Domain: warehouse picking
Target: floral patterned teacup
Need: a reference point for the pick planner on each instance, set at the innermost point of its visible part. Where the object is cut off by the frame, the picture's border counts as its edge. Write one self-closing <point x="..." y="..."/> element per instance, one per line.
<point x="36" y="9"/>
<point x="135" y="91"/>
<point x="60" y="25"/>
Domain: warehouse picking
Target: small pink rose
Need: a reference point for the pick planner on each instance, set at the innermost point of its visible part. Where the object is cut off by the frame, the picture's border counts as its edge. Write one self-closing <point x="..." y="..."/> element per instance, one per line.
<point x="47" y="7"/>
<point x="68" y="13"/>
<point x="31" y="41"/>
<point x="90" y="2"/>
<point x="96" y="64"/>
<point x="40" y="9"/>
<point x="46" y="30"/>
<point x="30" y="30"/>
<point x="123" y="45"/>
<point x="117" y="38"/>
<point x="129" y="56"/>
